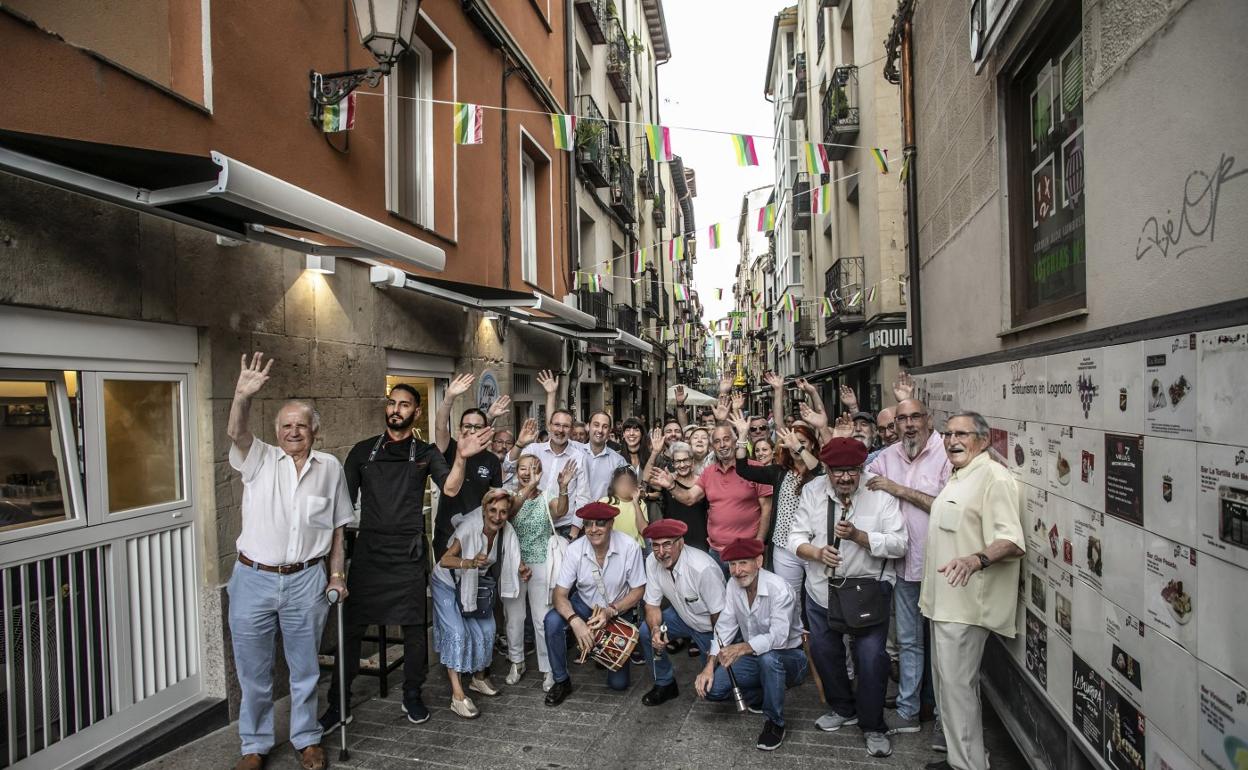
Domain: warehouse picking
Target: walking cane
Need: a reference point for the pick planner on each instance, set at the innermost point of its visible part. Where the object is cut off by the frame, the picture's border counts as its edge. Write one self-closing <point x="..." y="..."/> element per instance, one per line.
<point x="737" y="696"/>
<point x="335" y="599"/>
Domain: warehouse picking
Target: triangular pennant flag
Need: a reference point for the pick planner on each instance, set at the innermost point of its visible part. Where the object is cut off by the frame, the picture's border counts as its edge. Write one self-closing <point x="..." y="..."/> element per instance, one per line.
<point x="564" y="128"/>
<point x="857" y="298"/>
<point x="713" y="232"/>
<point x="904" y="174"/>
<point x="881" y="158"/>
<point x="828" y="311"/>
<point x="871" y="295"/>
<point x="659" y="139"/>
<point x="469" y="123"/>
<point x="743" y="147"/>
<point x="340" y="116"/>
<point x="816" y="159"/>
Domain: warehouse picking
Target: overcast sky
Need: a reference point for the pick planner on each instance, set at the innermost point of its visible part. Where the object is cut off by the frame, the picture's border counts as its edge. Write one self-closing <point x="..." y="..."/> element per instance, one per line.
<point x="715" y="80"/>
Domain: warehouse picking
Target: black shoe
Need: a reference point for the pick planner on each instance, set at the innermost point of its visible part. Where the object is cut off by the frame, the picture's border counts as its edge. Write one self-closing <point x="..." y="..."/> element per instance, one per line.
<point x="332" y="718"/>
<point x="559" y="692"/>
<point x="415" y="709"/>
<point x="940" y="765"/>
<point x="694" y="650"/>
<point x="660" y="693"/>
<point x="771" y="737"/>
<point x="675" y="646"/>
<point x="755" y="708"/>
<point x="890" y="701"/>
<point x="637" y="659"/>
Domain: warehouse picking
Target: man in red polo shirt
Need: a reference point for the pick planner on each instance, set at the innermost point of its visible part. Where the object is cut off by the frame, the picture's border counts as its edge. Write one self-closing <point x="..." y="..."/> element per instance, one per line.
<point x="739" y="509"/>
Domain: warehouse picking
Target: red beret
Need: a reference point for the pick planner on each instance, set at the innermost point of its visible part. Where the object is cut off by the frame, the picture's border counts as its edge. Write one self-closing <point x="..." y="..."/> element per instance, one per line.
<point x="598" y="512"/>
<point x="665" y="528"/>
<point x="843" y="453"/>
<point x="742" y="548"/>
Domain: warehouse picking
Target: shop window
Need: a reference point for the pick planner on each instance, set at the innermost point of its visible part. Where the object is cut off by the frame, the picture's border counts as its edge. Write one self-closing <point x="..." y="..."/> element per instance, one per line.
<point x="1044" y="114"/>
<point x="143" y="443"/>
<point x="37" y="463"/>
<point x="409" y="136"/>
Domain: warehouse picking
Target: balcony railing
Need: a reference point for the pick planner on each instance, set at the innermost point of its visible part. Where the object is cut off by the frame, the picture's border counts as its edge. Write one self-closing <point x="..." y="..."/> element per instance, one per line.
<point x="597" y="304"/>
<point x="592" y="143"/>
<point x="651" y="296"/>
<point x="620" y="62"/>
<point x="843" y="283"/>
<point x="840" y="111"/>
<point x="804" y="329"/>
<point x="660" y="205"/>
<point x="626" y="318"/>
<point x="593" y="15"/>
<point x="799" y="86"/>
<point x="800" y="212"/>
<point x="623" y="186"/>
<point x="645" y="180"/>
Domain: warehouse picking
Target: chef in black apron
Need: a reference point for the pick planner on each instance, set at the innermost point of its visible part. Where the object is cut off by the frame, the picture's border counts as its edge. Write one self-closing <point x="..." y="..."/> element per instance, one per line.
<point x="390" y="563"/>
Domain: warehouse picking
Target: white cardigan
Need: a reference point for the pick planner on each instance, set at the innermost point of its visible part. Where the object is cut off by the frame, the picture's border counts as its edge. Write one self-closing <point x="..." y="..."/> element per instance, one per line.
<point x="470" y="532"/>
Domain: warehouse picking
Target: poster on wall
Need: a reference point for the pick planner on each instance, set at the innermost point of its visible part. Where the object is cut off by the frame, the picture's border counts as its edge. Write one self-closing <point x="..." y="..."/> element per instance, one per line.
<point x="1037" y="649"/>
<point x="1222" y="501"/>
<point x="1124" y="472"/>
<point x="1122" y="400"/>
<point x="1124" y="727"/>
<point x="1170" y="589"/>
<point x="1125" y="651"/>
<point x="1170" y="386"/>
<point x="1063" y="590"/>
<point x="1163" y="754"/>
<point x="1170" y="482"/>
<point x="1073" y="388"/>
<point x="1025" y="457"/>
<point x="1088" y="702"/>
<point x="1222" y="404"/>
<point x="1223" y="725"/>
<point x="1022" y="390"/>
<point x="1089" y="546"/>
<point x="1074" y="463"/>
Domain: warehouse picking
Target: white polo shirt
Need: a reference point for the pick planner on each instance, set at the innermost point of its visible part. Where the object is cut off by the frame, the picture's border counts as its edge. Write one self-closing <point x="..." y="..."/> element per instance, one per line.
<point x="694" y="586"/>
<point x="621" y="571"/>
<point x="773" y="622"/>
<point x="289" y="518"/>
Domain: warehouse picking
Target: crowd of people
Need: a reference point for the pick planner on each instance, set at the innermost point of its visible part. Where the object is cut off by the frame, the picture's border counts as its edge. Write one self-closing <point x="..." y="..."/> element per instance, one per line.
<point x="775" y="548"/>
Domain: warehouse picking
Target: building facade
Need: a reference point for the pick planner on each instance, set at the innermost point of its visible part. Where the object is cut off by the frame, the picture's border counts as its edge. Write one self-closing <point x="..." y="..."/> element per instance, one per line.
<point x="1069" y="283"/>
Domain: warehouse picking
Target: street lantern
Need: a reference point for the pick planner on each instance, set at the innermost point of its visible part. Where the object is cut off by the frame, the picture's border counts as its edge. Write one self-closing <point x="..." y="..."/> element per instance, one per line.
<point x="386" y="30"/>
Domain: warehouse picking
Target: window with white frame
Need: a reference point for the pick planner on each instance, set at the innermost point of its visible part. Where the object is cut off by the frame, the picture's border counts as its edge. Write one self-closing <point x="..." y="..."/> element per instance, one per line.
<point x="528" y="219"/>
<point x="409" y="136"/>
<point x="40" y="430"/>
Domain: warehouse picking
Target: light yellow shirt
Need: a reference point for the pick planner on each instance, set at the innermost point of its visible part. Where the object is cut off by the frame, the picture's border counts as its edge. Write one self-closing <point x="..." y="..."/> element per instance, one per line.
<point x="626" y="522"/>
<point x="980" y="504"/>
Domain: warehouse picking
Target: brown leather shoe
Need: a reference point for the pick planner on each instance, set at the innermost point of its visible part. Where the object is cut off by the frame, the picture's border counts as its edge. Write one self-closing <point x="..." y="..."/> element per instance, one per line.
<point x="250" y="762"/>
<point x="312" y="758"/>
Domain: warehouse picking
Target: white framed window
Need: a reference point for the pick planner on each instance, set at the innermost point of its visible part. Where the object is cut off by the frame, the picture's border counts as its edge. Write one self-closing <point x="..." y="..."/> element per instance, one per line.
<point x="409" y="136"/>
<point x="528" y="219"/>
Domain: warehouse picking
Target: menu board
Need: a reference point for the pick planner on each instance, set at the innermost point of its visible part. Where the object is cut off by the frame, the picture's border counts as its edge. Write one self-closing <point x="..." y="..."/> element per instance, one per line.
<point x="1170" y="589"/>
<point x="1223" y="726"/>
<point x="1124" y="477"/>
<point x="1088" y="702"/>
<point x="1125" y="729"/>
<point x="1222" y="501"/>
<point x="1170" y="386"/>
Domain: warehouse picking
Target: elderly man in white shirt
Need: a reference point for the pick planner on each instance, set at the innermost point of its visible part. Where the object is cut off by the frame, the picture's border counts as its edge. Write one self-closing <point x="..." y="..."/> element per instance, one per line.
<point x="294" y="506"/>
<point x="847" y="534"/>
<point x="554" y="454"/>
<point x="602" y="569"/>
<point x="692" y="583"/>
<point x="760" y="609"/>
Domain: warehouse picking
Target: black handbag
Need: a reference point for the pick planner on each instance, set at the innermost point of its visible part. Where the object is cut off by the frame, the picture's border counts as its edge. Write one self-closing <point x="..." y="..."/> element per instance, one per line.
<point x="855" y="605"/>
<point x="487" y="588"/>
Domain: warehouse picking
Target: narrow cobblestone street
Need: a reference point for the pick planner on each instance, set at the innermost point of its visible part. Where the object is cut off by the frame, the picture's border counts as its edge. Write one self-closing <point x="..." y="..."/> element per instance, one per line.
<point x="594" y="728"/>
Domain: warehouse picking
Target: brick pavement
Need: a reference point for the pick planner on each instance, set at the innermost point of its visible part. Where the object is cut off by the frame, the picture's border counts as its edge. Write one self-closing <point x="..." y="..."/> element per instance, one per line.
<point x="595" y="728"/>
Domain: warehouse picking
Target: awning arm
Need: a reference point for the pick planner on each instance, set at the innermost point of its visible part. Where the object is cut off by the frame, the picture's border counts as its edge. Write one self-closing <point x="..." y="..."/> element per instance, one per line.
<point x="386" y="275"/>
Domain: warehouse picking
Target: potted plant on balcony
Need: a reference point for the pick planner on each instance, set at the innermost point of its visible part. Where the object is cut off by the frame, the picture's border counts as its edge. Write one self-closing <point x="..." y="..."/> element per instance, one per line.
<point x="589" y="136"/>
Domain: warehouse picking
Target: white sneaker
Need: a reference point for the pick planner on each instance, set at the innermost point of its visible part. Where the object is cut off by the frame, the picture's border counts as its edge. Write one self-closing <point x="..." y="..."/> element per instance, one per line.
<point x="548" y="681"/>
<point x="483" y="686"/>
<point x="517" y="671"/>
<point x="465" y="708"/>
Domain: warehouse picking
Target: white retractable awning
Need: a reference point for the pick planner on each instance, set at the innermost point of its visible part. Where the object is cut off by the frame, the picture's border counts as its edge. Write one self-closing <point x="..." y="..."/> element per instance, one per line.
<point x="218" y="193"/>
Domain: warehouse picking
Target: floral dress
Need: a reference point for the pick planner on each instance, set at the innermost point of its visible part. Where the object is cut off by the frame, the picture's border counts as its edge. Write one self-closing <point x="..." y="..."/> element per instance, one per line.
<point x="532" y="525"/>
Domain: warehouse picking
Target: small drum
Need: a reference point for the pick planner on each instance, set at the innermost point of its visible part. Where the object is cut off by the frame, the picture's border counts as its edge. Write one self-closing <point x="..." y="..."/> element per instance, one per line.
<point x="613" y="644"/>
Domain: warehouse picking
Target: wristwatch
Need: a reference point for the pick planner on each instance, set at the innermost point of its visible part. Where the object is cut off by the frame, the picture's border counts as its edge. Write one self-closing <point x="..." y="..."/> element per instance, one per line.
<point x="984" y="561"/>
<point x="342" y="575"/>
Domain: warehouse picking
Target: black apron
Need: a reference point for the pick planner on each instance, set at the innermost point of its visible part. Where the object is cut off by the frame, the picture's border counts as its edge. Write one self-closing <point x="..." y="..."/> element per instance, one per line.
<point x="389" y="562"/>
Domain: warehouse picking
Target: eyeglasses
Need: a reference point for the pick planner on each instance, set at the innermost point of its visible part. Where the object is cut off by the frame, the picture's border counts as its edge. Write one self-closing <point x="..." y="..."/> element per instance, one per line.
<point x="910" y="417"/>
<point x="960" y="435"/>
<point x="681" y="460"/>
<point x="597" y="523"/>
<point x="472" y="427"/>
<point x="844" y="471"/>
<point x="663" y="545"/>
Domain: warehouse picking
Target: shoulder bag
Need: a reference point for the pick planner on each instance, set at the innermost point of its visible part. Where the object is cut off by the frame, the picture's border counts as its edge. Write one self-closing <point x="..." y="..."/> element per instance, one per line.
<point x="487" y="587"/>
<point x="855" y="605"/>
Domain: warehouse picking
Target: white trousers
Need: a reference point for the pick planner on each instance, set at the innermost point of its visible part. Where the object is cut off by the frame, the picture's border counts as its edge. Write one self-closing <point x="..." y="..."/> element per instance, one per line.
<point x="791" y="568"/>
<point x="957" y="651"/>
<point x="536" y="593"/>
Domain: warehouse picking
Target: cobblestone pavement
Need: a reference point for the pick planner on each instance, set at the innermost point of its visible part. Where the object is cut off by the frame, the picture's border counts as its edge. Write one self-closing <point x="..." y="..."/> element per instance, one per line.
<point x="594" y="728"/>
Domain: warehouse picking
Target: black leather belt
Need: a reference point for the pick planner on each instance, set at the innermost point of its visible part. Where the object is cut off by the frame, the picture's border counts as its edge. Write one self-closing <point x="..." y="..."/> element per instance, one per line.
<point x="281" y="569"/>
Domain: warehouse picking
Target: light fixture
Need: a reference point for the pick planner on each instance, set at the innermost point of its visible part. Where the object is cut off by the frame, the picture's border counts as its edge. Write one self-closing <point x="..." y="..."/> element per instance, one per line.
<point x="386" y="30"/>
<point x="319" y="263"/>
<point x="498" y="322"/>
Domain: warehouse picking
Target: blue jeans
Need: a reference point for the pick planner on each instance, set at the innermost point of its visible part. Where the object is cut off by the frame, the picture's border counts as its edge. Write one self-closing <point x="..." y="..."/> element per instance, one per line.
<point x="557" y="645"/>
<point x="677" y="628"/>
<point x="723" y="565"/>
<point x="910" y="646"/>
<point x="260" y="603"/>
<point x="827" y="648"/>
<point x="763" y="677"/>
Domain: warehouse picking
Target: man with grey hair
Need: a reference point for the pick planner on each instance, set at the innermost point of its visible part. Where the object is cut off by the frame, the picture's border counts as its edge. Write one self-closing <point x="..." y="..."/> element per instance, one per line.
<point x="970" y="581"/>
<point x="294" y="507"/>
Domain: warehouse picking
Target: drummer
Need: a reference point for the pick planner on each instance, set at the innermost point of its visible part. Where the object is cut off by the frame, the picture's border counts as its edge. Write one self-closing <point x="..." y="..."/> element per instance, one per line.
<point x="693" y="586"/>
<point x="602" y="569"/>
<point x="389" y="564"/>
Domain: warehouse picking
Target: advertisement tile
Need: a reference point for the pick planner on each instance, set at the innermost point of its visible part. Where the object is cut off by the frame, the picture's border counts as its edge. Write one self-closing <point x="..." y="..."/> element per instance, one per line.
<point x="1124" y="651"/>
<point x="1125" y="731"/>
<point x="1222" y="393"/>
<point x="1222" y="617"/>
<point x="1164" y="754"/>
<point x="1023" y="392"/>
<point x="1124" y="566"/>
<point x="1061" y="662"/>
<point x="1088" y="630"/>
<point x="1075" y="389"/>
<point x="1223" y="727"/>
<point x="1088" y="701"/>
<point x="1061" y="618"/>
<point x="1222" y="502"/>
<point x="1122" y="402"/>
<point x="1170" y="486"/>
<point x="1037" y="662"/>
<point x="1089" y="528"/>
<point x="1170" y="590"/>
<point x="1170" y="691"/>
<point x="1169" y="375"/>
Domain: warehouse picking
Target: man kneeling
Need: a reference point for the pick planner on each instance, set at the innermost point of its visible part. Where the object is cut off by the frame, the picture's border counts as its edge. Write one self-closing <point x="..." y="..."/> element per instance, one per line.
<point x="759" y="608"/>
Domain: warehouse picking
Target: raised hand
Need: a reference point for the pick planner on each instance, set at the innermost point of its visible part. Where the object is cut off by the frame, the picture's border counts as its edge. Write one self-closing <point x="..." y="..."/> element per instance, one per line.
<point x="474" y="442"/>
<point x="725" y="384"/>
<point x="459" y="386"/>
<point x="790" y="439"/>
<point x="548" y="381"/>
<point x="814" y="419"/>
<point x="903" y="386"/>
<point x="774" y="380"/>
<point x="498" y="408"/>
<point x="849" y="399"/>
<point x="567" y="474"/>
<point x="528" y="433"/>
<point x="738" y="401"/>
<point x="720" y="409"/>
<point x="740" y="422"/>
<point x="681" y="395"/>
<point x="658" y="440"/>
<point x="252" y="376"/>
<point x="844" y="427"/>
<point x="661" y="479"/>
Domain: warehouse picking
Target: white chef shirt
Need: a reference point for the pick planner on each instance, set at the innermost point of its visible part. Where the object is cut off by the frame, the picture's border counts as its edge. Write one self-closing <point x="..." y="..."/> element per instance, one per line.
<point x="694" y="586"/>
<point x="621" y="572"/>
<point x="289" y="518"/>
<point x="875" y="512"/>
<point x="552" y="464"/>
<point x="774" y="622"/>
